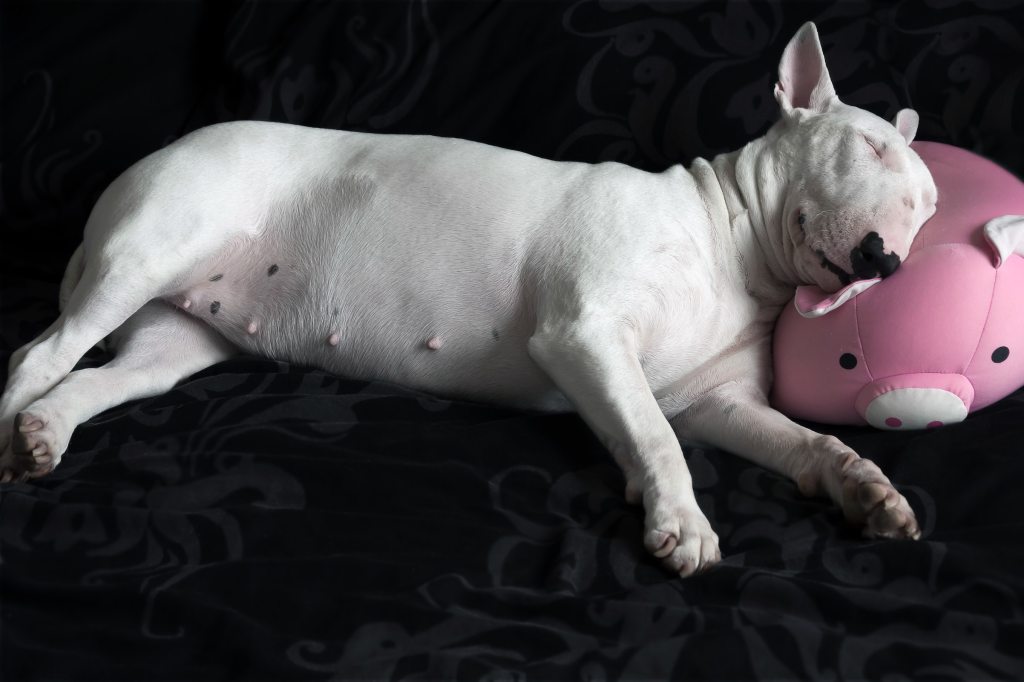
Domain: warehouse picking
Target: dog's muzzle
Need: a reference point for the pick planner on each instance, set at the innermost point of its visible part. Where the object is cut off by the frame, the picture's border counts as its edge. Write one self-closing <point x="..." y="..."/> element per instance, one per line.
<point x="869" y="260"/>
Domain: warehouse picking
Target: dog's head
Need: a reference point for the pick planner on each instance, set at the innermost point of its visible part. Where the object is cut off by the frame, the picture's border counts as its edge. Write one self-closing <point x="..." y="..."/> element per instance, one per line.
<point x="857" y="193"/>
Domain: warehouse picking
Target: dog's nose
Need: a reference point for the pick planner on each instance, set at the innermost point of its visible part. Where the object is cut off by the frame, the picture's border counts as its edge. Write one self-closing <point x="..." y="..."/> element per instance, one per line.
<point x="870" y="260"/>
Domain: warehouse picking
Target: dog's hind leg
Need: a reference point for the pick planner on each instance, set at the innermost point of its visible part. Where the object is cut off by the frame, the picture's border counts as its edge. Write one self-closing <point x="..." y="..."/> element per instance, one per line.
<point x="107" y="296"/>
<point x="157" y="347"/>
<point x="139" y="245"/>
<point x="148" y="235"/>
<point x="91" y="315"/>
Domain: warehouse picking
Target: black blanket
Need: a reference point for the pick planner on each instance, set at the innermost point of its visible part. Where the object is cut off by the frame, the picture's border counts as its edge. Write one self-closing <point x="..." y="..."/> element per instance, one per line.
<point x="269" y="521"/>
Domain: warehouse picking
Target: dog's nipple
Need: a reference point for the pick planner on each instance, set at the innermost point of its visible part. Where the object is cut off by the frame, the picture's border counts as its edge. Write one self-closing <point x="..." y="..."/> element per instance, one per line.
<point x="434" y="343"/>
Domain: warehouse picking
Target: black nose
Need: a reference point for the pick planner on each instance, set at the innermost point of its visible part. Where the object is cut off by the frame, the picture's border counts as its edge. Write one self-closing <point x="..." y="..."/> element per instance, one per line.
<point x="869" y="260"/>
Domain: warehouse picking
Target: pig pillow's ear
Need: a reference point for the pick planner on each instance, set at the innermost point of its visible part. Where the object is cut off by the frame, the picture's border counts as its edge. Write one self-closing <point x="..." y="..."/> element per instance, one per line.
<point x="804" y="82"/>
<point x="1006" y="237"/>
<point x="810" y="301"/>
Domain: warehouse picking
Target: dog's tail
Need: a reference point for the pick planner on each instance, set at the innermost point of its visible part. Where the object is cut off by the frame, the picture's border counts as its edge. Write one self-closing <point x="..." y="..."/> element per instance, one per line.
<point x="72" y="275"/>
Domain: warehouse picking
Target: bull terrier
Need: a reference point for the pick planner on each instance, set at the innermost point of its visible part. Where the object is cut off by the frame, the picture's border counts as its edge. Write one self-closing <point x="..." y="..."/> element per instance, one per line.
<point x="644" y="301"/>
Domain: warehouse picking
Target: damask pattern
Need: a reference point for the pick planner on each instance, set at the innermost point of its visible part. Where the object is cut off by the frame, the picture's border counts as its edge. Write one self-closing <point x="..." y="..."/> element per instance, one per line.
<point x="268" y="521"/>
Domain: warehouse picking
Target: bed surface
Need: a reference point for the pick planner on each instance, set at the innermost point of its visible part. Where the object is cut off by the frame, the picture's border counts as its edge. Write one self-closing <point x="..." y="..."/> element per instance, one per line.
<point x="269" y="521"/>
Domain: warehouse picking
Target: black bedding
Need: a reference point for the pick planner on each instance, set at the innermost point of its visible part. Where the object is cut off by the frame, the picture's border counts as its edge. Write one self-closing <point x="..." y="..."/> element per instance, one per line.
<point x="270" y="521"/>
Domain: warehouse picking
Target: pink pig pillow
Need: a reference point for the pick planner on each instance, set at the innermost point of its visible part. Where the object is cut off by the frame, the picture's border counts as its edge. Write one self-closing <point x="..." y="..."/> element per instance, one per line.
<point x="939" y="338"/>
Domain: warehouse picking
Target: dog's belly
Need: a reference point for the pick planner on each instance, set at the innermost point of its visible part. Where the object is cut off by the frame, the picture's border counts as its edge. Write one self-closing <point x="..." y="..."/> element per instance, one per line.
<point x="340" y="316"/>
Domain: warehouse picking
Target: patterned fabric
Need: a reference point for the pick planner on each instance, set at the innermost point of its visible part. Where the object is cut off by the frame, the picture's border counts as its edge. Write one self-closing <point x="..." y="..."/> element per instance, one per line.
<point x="267" y="521"/>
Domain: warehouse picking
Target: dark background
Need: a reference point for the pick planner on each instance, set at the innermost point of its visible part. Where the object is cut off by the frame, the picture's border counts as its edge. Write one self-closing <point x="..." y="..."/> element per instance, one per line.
<point x="267" y="520"/>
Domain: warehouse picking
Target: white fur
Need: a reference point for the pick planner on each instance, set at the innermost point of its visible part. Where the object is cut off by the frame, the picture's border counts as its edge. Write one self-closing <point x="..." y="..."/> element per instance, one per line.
<point x="645" y="301"/>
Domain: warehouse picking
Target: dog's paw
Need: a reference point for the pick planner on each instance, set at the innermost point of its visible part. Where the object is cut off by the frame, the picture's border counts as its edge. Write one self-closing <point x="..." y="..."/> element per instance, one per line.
<point x="679" y="534"/>
<point x="870" y="500"/>
<point x="35" y="445"/>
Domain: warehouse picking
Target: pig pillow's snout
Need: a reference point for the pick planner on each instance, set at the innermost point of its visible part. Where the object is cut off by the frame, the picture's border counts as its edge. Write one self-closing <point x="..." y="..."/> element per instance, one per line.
<point x="915" y="401"/>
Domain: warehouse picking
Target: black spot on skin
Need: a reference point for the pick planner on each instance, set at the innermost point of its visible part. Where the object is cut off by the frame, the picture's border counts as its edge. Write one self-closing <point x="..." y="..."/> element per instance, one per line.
<point x="216" y="277"/>
<point x="1000" y="354"/>
<point x="271" y="270"/>
<point x="847" y="360"/>
<point x="214" y="307"/>
<point x="495" y="335"/>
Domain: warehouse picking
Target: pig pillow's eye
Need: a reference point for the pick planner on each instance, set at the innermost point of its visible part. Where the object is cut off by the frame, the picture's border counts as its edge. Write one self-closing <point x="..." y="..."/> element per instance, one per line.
<point x="847" y="360"/>
<point x="1000" y="354"/>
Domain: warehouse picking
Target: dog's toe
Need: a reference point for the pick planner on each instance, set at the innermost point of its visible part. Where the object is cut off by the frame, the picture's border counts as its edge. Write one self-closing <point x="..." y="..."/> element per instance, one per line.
<point x="892" y="518"/>
<point x="34" y="446"/>
<point x="695" y="554"/>
<point x="682" y="538"/>
<point x="660" y="543"/>
<point x="870" y="500"/>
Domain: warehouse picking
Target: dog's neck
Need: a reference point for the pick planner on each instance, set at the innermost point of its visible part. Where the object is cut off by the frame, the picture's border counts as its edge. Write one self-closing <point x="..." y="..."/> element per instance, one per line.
<point x="745" y="192"/>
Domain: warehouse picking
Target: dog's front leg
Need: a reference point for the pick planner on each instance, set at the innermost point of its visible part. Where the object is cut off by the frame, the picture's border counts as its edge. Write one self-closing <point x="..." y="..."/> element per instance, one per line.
<point x="595" y="364"/>
<point x="737" y="418"/>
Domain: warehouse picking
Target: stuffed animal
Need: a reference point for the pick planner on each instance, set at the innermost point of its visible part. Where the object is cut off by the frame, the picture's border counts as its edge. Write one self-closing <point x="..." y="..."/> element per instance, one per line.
<point x="941" y="337"/>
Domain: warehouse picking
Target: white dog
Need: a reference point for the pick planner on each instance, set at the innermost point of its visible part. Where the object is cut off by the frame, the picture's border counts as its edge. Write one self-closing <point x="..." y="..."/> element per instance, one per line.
<point x="644" y="301"/>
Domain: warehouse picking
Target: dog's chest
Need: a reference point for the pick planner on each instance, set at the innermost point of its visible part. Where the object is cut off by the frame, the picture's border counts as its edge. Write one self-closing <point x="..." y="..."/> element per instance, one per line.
<point x="713" y="336"/>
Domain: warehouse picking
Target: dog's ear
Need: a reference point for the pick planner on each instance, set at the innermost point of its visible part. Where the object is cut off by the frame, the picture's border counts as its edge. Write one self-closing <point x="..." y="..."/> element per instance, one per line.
<point x="811" y="301"/>
<point x="1005" y="235"/>
<point x="804" y="82"/>
<point x="906" y="124"/>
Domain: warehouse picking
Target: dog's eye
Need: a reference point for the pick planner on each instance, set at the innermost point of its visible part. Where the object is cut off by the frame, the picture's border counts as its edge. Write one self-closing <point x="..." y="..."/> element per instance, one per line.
<point x="1000" y="354"/>
<point x="847" y="360"/>
<point x="801" y="219"/>
<point x="877" y="147"/>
